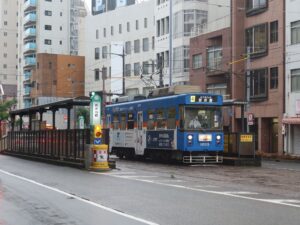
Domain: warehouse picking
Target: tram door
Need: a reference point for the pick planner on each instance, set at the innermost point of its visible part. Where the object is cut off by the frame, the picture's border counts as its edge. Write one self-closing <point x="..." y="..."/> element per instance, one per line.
<point x="140" y="139"/>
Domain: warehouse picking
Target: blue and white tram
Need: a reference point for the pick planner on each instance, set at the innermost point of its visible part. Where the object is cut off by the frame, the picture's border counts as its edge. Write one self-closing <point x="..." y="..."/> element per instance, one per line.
<point x="185" y="127"/>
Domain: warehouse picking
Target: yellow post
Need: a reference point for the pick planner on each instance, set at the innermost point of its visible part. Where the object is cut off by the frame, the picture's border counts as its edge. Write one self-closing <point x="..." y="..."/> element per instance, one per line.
<point x="100" y="157"/>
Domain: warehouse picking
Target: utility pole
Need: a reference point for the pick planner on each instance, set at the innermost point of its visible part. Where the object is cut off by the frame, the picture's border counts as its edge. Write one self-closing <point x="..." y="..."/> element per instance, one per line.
<point x="170" y="43"/>
<point x="123" y="74"/>
<point x="248" y="83"/>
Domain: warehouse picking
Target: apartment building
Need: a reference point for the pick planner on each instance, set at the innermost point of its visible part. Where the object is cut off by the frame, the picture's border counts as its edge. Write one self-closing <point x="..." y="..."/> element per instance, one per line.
<point x="291" y="120"/>
<point x="8" y="42"/>
<point x="244" y="62"/>
<point x="116" y="32"/>
<point x="45" y="26"/>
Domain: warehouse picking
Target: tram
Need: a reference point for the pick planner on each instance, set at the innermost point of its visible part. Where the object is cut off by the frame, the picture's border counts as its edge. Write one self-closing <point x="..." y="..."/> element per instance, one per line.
<point x="181" y="127"/>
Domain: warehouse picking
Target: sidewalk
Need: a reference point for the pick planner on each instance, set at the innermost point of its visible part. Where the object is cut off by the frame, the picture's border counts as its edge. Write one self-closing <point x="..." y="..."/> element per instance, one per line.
<point x="276" y="157"/>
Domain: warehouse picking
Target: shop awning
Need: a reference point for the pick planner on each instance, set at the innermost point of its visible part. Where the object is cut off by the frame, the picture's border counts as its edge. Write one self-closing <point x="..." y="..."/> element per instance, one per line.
<point x="291" y="120"/>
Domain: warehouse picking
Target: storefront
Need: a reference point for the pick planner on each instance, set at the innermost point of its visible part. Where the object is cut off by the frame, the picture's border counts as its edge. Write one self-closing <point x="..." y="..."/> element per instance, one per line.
<point x="291" y="131"/>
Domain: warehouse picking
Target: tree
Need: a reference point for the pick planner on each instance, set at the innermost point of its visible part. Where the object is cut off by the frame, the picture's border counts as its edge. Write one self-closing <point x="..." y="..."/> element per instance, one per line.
<point x="4" y="114"/>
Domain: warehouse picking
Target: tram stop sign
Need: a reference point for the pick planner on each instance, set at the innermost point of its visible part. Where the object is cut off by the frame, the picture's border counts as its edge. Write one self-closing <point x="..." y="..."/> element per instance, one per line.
<point x="95" y="108"/>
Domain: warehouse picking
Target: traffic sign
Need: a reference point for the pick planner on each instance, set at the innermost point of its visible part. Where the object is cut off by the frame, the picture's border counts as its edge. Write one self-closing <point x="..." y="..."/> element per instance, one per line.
<point x="97" y="141"/>
<point x="250" y="119"/>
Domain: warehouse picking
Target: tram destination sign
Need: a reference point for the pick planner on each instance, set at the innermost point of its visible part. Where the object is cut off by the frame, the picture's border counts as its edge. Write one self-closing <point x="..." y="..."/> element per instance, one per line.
<point x="204" y="98"/>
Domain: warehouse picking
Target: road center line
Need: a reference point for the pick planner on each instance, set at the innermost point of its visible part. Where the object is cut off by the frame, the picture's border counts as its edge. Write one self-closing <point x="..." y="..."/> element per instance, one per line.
<point x="288" y="202"/>
<point x="79" y="198"/>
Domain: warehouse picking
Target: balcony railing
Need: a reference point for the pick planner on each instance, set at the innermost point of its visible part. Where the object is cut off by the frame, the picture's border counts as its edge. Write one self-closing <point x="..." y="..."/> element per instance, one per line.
<point x="30" y="32"/>
<point x="30" y="61"/>
<point x="29" y="19"/>
<point x="31" y="46"/>
<point x="29" y="5"/>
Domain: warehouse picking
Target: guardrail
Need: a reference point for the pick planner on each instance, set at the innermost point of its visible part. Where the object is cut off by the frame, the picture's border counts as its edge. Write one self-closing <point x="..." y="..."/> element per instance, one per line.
<point x="58" y="145"/>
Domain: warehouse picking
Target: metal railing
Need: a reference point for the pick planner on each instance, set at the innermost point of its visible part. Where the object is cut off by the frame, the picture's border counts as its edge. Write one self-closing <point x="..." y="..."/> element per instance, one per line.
<point x="61" y="145"/>
<point x="3" y="143"/>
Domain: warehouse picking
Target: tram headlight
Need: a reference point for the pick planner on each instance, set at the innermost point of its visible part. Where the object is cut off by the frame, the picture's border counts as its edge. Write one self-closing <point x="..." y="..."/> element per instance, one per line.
<point x="190" y="137"/>
<point x="218" y="138"/>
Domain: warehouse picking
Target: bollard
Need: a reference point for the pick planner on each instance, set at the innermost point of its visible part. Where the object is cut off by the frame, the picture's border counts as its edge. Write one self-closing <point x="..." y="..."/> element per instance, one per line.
<point x="100" y="158"/>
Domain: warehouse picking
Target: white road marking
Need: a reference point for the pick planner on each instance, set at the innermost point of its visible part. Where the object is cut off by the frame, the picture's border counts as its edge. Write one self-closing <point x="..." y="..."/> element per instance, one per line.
<point x="229" y="194"/>
<point x="137" y="176"/>
<point x="240" y="192"/>
<point x="174" y="180"/>
<point x="207" y="186"/>
<point x="79" y="198"/>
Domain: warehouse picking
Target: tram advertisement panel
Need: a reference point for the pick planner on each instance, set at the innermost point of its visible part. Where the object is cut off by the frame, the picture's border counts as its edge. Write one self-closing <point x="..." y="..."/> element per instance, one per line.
<point x="160" y="139"/>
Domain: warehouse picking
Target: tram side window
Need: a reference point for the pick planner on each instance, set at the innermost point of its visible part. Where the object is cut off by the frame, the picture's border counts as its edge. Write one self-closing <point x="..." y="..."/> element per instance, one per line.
<point x="160" y="119"/>
<point x="130" y="121"/>
<point x="123" y="122"/>
<point x="115" y="122"/>
<point x="150" y="123"/>
<point x="171" y="122"/>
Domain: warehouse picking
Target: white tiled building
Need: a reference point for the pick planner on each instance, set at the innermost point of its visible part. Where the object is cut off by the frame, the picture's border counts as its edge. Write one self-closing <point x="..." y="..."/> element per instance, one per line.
<point x="45" y="26"/>
<point x="8" y="41"/>
<point x="144" y="28"/>
<point x="291" y="128"/>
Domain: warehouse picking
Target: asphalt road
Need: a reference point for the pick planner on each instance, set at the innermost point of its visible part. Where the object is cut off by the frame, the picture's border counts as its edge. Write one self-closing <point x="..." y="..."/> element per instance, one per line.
<point x="148" y="193"/>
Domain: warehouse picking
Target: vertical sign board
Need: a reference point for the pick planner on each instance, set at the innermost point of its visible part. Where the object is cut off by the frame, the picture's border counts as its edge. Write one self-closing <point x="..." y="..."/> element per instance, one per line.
<point x="81" y="122"/>
<point x="95" y="106"/>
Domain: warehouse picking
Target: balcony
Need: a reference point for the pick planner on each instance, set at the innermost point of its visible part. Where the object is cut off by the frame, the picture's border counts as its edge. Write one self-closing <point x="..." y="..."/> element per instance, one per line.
<point x="29" y="47"/>
<point x="29" y="5"/>
<point x="30" y="19"/>
<point x="27" y="102"/>
<point x="30" y="61"/>
<point x="27" y="76"/>
<point x="27" y="90"/>
<point x="30" y="33"/>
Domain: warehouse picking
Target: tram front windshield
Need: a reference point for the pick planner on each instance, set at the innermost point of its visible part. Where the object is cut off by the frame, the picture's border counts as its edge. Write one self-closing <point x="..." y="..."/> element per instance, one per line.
<point x="202" y="118"/>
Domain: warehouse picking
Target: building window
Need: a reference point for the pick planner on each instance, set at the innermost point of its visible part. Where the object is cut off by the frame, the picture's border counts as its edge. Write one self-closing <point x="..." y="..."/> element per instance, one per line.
<point x="5" y="34"/>
<point x="60" y="42"/>
<point x="167" y="25"/>
<point x="104" y="32"/>
<point x="274" y="78"/>
<point x="50" y="65"/>
<point x="4" y="66"/>
<point x="166" y="61"/>
<point x="136" y="24"/>
<point x="97" y="75"/>
<point x="258" y="84"/>
<point x="97" y="34"/>
<point x="120" y="28"/>
<point x="60" y="13"/>
<point x="128" y="27"/>
<point x="97" y="53"/>
<point x="214" y="58"/>
<point x="145" y="23"/>
<point x="137" y="69"/>
<point x="153" y="43"/>
<point x="254" y="7"/>
<point x="219" y="89"/>
<point x="48" y="13"/>
<point x="60" y="28"/>
<point x="4" y="55"/>
<point x="136" y="46"/>
<point x="181" y="59"/>
<point x="145" y="44"/>
<point x="295" y="80"/>
<point x="157" y="28"/>
<point x="295" y="32"/>
<point x="48" y="0"/>
<point x="111" y="30"/>
<point x="47" y="42"/>
<point x="48" y="27"/>
<point x="127" y="70"/>
<point x="104" y="52"/>
<point x="257" y="40"/>
<point x="197" y="61"/>
<point x="274" y="31"/>
<point x="128" y="47"/>
<point x="145" y="67"/>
